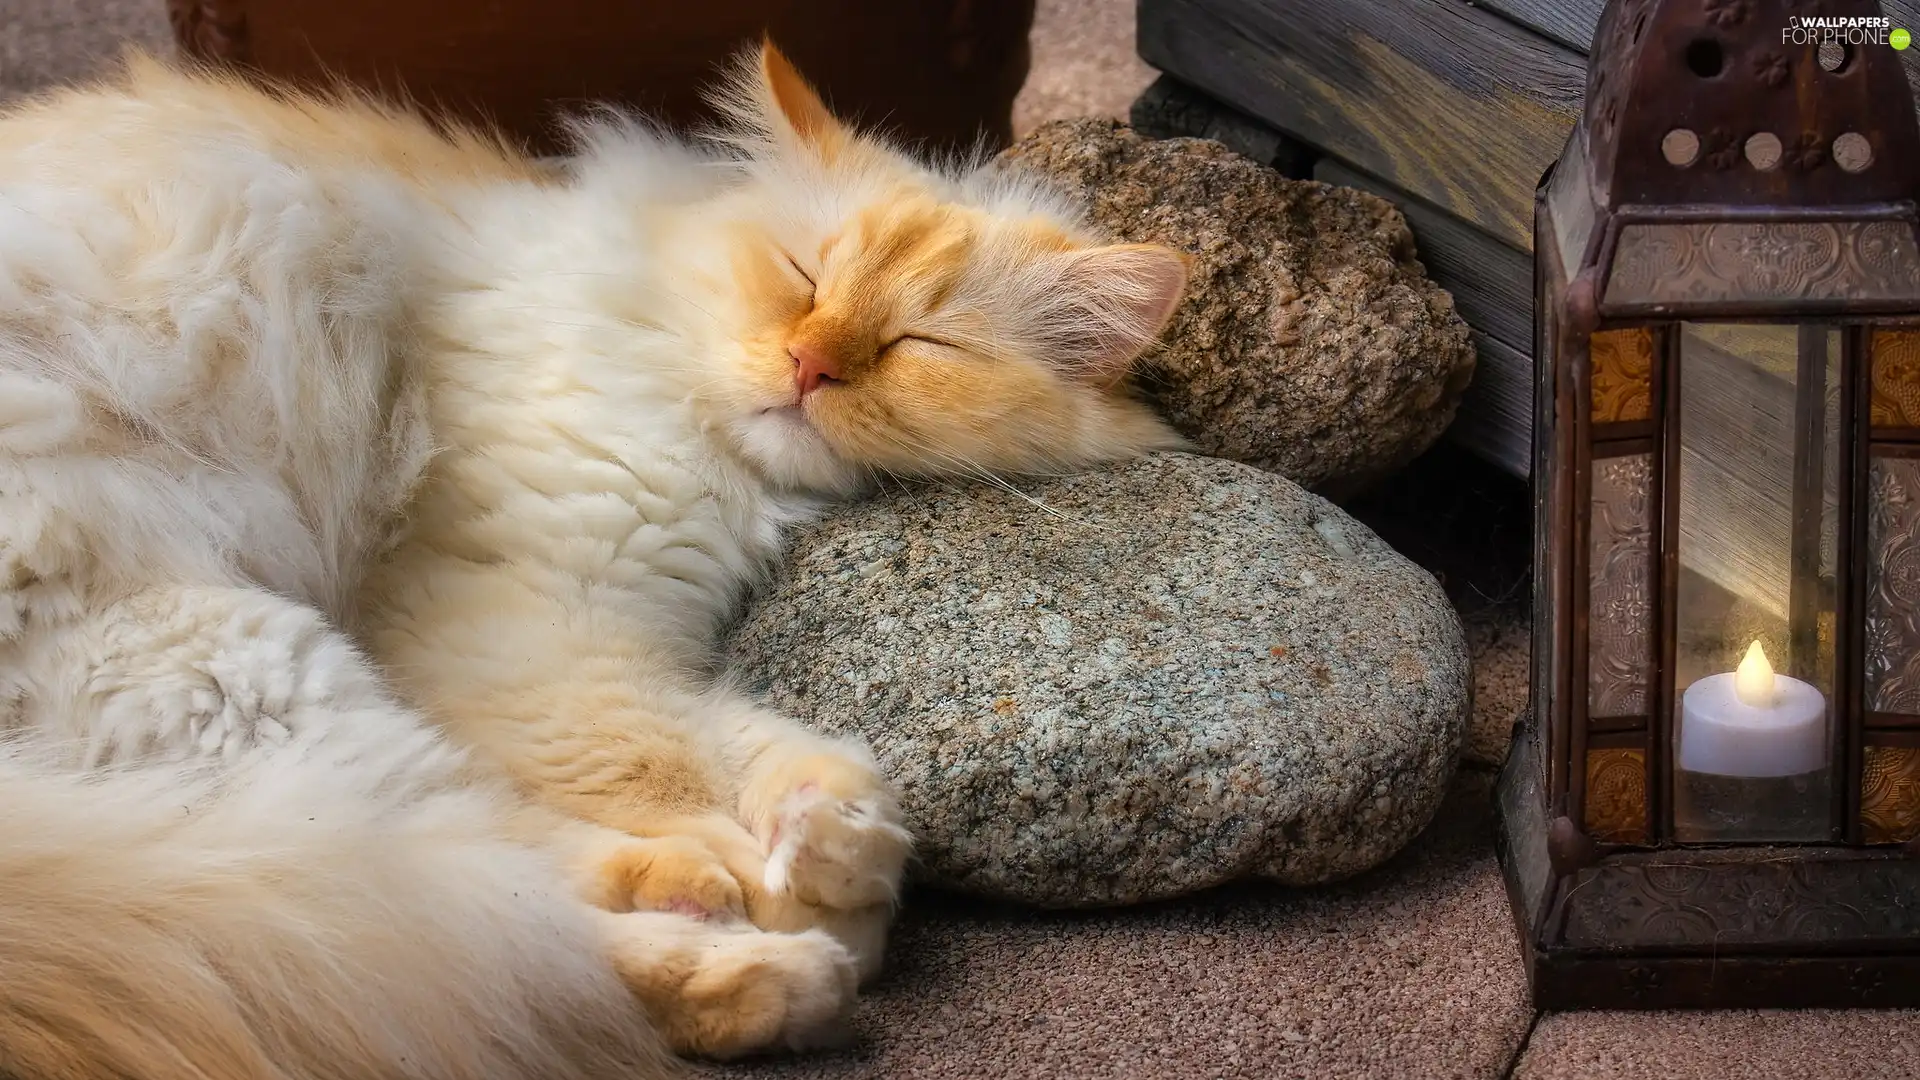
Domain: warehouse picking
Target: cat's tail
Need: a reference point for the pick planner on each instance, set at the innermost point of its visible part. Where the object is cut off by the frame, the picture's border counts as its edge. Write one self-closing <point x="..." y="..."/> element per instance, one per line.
<point x="289" y="922"/>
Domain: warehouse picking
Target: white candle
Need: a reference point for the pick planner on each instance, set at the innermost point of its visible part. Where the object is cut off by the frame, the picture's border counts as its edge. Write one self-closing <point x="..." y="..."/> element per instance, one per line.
<point x="1753" y="722"/>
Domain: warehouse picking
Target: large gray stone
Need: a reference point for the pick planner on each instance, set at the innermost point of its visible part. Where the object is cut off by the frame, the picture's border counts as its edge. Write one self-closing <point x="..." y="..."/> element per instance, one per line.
<point x="1142" y="682"/>
<point x="1312" y="341"/>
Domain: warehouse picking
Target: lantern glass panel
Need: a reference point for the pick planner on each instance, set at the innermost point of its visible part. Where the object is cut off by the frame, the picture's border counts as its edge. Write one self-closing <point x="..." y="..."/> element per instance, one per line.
<point x="1620" y="596"/>
<point x="1617" y="795"/>
<point x="1893" y="585"/>
<point x="1896" y="379"/>
<point x="1889" y="794"/>
<point x="1622" y="375"/>
<point x="1757" y="504"/>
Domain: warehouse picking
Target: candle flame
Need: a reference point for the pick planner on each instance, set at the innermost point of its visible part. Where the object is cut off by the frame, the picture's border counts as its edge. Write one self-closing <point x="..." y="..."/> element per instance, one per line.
<point x="1753" y="681"/>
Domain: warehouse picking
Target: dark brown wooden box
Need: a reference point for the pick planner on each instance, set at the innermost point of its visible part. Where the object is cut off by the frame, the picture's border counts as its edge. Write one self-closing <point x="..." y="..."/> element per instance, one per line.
<point x="941" y="71"/>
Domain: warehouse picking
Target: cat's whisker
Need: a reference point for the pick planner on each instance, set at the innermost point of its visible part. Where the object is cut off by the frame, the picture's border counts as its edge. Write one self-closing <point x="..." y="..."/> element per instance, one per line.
<point x="968" y="467"/>
<point x="646" y="287"/>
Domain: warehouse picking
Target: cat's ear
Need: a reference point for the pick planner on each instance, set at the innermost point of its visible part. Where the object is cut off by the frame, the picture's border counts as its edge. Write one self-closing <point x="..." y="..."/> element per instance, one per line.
<point x="1120" y="298"/>
<point x="796" y="108"/>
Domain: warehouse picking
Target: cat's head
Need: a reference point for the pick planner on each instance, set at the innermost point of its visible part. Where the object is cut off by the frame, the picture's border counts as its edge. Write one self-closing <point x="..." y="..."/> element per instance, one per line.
<point x="920" y="321"/>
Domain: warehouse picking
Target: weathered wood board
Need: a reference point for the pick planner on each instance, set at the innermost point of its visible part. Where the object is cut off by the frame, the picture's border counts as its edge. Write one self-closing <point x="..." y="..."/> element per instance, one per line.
<point x="1446" y="101"/>
<point x="1569" y="22"/>
<point x="1169" y="110"/>
<point x="1496" y="414"/>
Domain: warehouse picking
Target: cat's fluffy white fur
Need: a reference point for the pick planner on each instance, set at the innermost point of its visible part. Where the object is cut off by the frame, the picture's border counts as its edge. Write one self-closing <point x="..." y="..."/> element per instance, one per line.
<point x="368" y="499"/>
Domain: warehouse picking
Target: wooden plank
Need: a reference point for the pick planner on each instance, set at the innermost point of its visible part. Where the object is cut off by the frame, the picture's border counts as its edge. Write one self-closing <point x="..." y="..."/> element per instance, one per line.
<point x="1169" y="110"/>
<point x="1491" y="282"/>
<point x="1496" y="414"/>
<point x="1448" y="102"/>
<point x="1571" y="23"/>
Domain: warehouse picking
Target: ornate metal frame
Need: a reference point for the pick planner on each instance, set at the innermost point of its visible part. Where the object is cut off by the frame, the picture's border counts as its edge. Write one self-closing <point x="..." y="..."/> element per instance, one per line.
<point x="1613" y="912"/>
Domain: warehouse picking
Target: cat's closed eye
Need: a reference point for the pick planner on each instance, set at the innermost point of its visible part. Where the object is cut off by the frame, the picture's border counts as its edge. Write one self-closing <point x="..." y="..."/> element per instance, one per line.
<point x="920" y="338"/>
<point x="812" y="287"/>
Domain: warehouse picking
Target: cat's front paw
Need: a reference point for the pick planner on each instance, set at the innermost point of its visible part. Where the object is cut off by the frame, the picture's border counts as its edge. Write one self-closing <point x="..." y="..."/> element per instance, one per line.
<point x="731" y="992"/>
<point x="671" y="874"/>
<point x="835" y="838"/>
<point x="774" y="991"/>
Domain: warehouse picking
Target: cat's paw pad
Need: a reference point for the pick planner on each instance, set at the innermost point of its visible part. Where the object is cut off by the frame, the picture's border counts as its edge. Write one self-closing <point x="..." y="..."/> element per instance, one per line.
<point x="755" y="992"/>
<point x="676" y="875"/>
<point x="837" y="851"/>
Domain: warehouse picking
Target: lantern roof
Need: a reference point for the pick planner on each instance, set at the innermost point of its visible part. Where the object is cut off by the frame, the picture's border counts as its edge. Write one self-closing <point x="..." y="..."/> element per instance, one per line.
<point x="1739" y="158"/>
<point x="1739" y="103"/>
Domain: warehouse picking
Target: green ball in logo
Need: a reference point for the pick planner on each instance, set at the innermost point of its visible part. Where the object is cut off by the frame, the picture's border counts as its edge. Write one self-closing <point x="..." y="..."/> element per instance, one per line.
<point x="1900" y="39"/>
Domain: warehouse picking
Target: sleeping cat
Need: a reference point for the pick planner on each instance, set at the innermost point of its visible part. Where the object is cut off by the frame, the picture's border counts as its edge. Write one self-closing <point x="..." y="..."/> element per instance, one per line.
<point x="370" y="496"/>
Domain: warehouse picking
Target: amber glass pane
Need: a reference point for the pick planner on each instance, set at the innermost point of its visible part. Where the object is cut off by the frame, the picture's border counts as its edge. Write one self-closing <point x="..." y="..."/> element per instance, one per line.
<point x="1896" y="378"/>
<point x="1893" y="586"/>
<point x="1617" y="795"/>
<point x="1890" y="794"/>
<point x="1620" y="597"/>
<point x="1622" y="375"/>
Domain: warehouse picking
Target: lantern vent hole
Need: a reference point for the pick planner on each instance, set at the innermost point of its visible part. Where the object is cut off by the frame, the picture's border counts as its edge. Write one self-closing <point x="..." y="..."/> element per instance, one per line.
<point x="1763" y="151"/>
<point x="1835" y="57"/>
<point x="1680" y="147"/>
<point x="1852" y="152"/>
<point x="1705" y="58"/>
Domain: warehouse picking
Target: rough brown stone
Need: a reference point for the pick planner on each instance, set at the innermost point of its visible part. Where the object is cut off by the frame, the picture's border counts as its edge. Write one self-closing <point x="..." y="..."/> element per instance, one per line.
<point x="1312" y="342"/>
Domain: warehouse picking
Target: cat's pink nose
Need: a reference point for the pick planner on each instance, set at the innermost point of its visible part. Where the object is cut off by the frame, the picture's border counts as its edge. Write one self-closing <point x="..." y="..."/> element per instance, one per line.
<point x="812" y="367"/>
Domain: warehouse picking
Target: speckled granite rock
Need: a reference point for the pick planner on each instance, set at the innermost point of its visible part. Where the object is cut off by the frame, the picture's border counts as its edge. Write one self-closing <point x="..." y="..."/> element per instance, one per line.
<point x="1312" y="342"/>
<point x="1187" y="671"/>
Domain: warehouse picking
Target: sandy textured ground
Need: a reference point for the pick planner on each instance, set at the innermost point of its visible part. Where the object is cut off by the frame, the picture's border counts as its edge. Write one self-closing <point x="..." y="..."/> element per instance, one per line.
<point x="1083" y="63"/>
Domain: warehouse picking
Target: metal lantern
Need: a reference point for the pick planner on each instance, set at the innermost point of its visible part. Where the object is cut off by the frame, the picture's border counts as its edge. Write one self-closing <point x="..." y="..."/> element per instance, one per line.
<point x="1715" y="798"/>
